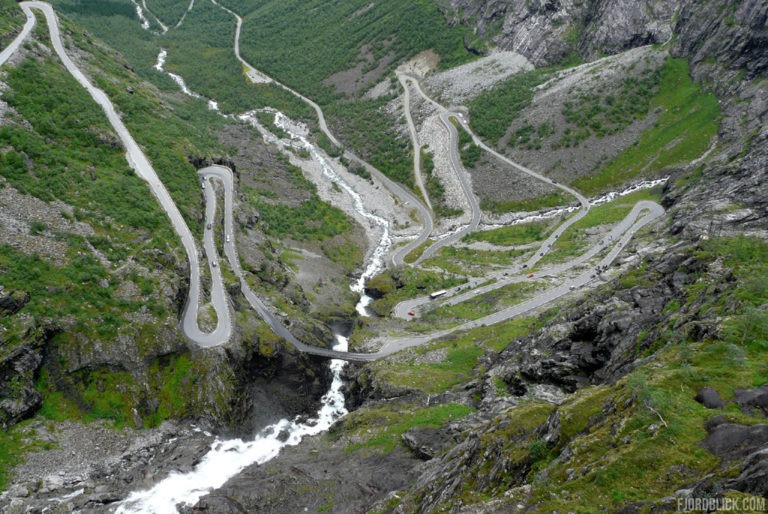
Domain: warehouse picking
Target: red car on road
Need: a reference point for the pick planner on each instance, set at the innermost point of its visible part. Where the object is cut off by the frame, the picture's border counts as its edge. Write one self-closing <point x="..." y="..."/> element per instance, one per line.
<point x="530" y="275"/>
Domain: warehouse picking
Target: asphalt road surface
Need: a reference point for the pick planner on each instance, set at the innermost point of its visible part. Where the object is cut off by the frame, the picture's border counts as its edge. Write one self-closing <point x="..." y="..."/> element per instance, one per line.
<point x="143" y="168"/>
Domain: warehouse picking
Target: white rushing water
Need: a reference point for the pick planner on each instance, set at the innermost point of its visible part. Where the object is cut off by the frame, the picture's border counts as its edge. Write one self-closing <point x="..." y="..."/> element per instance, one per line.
<point x="228" y="457"/>
<point x="376" y="258"/>
<point x="140" y="13"/>
<point x="607" y="197"/>
<point x="159" y="66"/>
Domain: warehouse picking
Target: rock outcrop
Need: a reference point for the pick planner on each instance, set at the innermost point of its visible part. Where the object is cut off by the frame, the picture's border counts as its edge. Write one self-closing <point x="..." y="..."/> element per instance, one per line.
<point x="549" y="31"/>
<point x="20" y="361"/>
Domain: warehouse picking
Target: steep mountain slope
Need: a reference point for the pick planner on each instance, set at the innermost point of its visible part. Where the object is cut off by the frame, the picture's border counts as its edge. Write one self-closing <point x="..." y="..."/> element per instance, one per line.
<point x="647" y="390"/>
<point x="93" y="278"/>
<point x="668" y="360"/>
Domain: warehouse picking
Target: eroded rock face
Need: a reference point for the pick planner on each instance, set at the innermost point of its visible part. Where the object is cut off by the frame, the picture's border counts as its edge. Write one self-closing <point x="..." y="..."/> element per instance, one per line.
<point x="20" y="359"/>
<point x="601" y="340"/>
<point x="733" y="33"/>
<point x="313" y="477"/>
<point x="547" y="31"/>
<point x="12" y="302"/>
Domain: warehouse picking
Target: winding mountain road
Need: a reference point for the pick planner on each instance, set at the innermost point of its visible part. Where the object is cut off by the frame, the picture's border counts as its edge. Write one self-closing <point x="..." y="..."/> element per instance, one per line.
<point x="642" y="214"/>
<point x="13" y="46"/>
<point x="404" y="79"/>
<point x="404" y="196"/>
<point x="446" y="115"/>
<point x="143" y="168"/>
<point x="223" y="175"/>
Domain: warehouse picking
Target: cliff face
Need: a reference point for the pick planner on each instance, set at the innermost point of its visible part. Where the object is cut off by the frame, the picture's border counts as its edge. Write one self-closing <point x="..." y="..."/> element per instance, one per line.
<point x="733" y="34"/>
<point x="548" y="31"/>
<point x="726" y="46"/>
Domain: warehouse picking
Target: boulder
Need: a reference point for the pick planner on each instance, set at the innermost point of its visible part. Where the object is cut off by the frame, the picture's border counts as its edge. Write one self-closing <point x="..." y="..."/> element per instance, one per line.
<point x="753" y="400"/>
<point x="425" y="443"/>
<point x="730" y="441"/>
<point x="709" y="398"/>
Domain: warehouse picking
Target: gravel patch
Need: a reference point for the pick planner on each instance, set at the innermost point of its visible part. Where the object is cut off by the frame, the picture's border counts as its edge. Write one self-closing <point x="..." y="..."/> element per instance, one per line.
<point x="434" y="136"/>
<point x="459" y="85"/>
<point x="497" y="181"/>
<point x="20" y="212"/>
<point x="92" y="465"/>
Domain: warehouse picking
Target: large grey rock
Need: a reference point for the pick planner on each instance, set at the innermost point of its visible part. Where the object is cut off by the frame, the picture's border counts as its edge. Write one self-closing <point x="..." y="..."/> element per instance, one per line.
<point x="753" y="478"/>
<point x="426" y="443"/>
<point x="752" y="400"/>
<point x="730" y="441"/>
<point x="20" y="361"/>
<point x="709" y="398"/>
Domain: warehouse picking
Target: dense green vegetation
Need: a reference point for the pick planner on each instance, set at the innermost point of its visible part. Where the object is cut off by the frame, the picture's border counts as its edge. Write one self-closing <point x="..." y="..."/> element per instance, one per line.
<point x="369" y="130"/>
<point x="58" y="145"/>
<point x="608" y="109"/>
<point x="530" y="136"/>
<point x="309" y="220"/>
<point x="115" y="22"/>
<point x="75" y="158"/>
<point x="201" y="51"/>
<point x="545" y="201"/>
<point x="303" y="42"/>
<point x="520" y="234"/>
<point x="493" y="111"/>
<point x="169" y="131"/>
<point x="11" y="21"/>
<point x="683" y="131"/>
<point x="75" y="291"/>
<point x="168" y="11"/>
<point x="105" y="393"/>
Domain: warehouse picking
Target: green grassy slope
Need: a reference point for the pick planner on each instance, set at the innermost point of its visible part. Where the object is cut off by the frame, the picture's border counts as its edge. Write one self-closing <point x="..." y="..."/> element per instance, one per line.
<point x="11" y="21"/>
<point x="116" y="283"/>
<point x="688" y="122"/>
